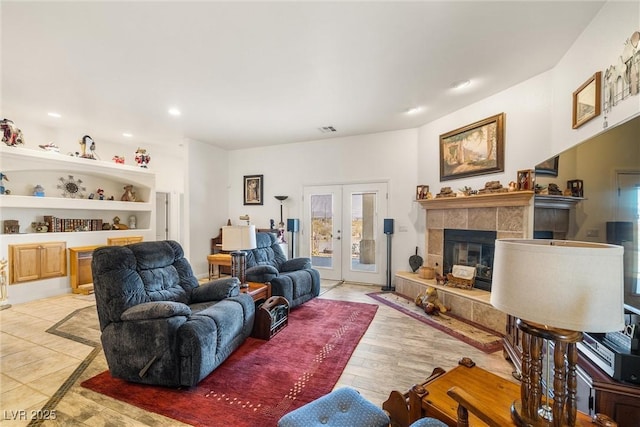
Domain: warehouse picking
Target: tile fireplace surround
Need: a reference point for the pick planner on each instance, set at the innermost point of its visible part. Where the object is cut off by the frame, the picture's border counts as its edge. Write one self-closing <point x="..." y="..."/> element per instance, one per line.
<point x="509" y="214"/>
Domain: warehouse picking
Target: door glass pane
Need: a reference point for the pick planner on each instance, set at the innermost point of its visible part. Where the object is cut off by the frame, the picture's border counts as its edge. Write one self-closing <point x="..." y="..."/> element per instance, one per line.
<point x="363" y="231"/>
<point x="322" y="230"/>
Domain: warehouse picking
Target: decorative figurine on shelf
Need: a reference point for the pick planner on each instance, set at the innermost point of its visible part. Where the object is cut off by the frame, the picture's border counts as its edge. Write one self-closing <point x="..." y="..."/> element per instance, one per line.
<point x="132" y="221"/>
<point x="118" y="159"/>
<point x="3" y="177"/>
<point x="38" y="191"/>
<point x="142" y="158"/>
<point x="128" y="195"/>
<point x="40" y="227"/>
<point x="11" y="135"/>
<point x="116" y="224"/>
<point x="50" y="147"/>
<point x="100" y="193"/>
<point x="83" y="148"/>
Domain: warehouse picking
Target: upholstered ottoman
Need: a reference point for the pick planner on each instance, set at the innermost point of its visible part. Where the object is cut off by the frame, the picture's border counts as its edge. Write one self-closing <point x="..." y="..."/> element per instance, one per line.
<point x="340" y="408"/>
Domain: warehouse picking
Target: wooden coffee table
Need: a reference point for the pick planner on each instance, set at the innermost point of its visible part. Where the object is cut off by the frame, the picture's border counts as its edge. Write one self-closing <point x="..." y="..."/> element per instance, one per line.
<point x="258" y="291"/>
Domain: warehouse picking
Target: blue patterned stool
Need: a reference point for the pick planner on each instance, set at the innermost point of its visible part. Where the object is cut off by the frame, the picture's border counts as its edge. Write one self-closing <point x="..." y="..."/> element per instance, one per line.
<point x="341" y="408"/>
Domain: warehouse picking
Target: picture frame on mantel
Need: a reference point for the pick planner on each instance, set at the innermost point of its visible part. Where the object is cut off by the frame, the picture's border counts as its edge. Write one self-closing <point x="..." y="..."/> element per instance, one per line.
<point x="475" y="149"/>
<point x="587" y="100"/>
<point x="253" y="189"/>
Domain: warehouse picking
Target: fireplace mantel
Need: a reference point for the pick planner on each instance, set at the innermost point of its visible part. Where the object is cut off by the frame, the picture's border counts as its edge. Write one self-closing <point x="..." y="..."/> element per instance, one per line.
<point x="512" y="198"/>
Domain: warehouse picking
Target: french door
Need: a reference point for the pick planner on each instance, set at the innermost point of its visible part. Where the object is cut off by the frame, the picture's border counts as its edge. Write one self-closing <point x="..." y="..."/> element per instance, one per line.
<point x="343" y="232"/>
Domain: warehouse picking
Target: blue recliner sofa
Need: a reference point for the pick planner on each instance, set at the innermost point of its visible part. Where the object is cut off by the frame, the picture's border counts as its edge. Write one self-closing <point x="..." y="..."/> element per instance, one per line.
<point x="293" y="279"/>
<point x="158" y="325"/>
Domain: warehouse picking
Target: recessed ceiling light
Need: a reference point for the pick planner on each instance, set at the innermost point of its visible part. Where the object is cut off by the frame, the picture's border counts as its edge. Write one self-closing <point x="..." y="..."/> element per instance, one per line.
<point x="56" y="115"/>
<point x="460" y="84"/>
<point x="127" y="135"/>
<point x="414" y="110"/>
<point x="174" y="112"/>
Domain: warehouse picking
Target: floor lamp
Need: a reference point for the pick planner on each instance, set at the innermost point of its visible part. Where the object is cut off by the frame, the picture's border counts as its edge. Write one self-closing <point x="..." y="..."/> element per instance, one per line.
<point x="237" y="239"/>
<point x="556" y="289"/>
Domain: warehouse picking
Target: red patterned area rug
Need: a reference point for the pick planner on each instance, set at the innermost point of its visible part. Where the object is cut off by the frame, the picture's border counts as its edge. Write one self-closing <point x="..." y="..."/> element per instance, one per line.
<point x="469" y="332"/>
<point x="262" y="380"/>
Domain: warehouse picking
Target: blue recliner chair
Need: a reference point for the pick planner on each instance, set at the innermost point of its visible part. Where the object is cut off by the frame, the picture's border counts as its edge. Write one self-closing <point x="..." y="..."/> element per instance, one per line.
<point x="293" y="279"/>
<point x="158" y="325"/>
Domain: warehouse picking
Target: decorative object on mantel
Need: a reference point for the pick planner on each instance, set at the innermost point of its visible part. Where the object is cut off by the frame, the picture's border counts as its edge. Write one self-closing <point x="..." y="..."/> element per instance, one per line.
<point x="461" y="276"/>
<point x="427" y="273"/>
<point x="467" y="191"/>
<point x="11" y="135"/>
<point x="576" y="187"/>
<point x="422" y="192"/>
<point x="446" y="192"/>
<point x="623" y="79"/>
<point x="118" y="159"/>
<point x="492" y="187"/>
<point x="71" y="187"/>
<point x="129" y="195"/>
<point x="554" y="190"/>
<point x="476" y="149"/>
<point x="3" y="177"/>
<point x="586" y="101"/>
<point x="142" y="157"/>
<point x="526" y="179"/>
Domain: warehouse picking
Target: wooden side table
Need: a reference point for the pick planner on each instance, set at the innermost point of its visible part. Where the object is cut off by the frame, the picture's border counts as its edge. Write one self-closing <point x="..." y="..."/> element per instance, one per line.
<point x="258" y="291"/>
<point x="215" y="261"/>
<point x="432" y="398"/>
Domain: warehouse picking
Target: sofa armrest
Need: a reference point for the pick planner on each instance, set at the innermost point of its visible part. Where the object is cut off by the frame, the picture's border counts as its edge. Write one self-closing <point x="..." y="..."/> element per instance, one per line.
<point x="216" y="290"/>
<point x="155" y="310"/>
<point x="296" y="264"/>
<point x="261" y="273"/>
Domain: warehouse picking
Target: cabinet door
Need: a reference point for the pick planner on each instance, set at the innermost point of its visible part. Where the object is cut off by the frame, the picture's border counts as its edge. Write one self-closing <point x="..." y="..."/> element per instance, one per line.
<point x="25" y="262"/>
<point x="37" y="261"/>
<point x="53" y="259"/>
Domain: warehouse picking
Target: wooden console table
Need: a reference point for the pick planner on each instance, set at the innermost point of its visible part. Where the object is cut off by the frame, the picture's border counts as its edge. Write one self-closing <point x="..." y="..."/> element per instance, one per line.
<point x="492" y="394"/>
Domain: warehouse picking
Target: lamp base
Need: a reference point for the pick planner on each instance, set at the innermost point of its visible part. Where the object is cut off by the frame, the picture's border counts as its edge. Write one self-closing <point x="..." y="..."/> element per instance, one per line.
<point x="521" y="420"/>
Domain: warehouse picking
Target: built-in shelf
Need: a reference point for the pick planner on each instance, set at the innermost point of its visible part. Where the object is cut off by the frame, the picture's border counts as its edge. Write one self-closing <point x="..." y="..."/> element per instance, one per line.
<point x="31" y="202"/>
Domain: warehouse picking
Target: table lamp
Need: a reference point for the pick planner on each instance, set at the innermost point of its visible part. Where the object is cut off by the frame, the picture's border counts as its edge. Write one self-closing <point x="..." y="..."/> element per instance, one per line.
<point x="556" y="289"/>
<point x="236" y="239"/>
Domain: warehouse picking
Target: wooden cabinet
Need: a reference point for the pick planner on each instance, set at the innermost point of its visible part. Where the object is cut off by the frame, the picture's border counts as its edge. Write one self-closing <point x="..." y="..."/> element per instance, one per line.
<point x="37" y="261"/>
<point x="121" y="241"/>
<point x="80" y="275"/>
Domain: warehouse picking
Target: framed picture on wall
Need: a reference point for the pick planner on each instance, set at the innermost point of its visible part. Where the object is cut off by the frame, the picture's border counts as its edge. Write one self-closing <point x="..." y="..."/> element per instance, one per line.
<point x="475" y="149"/>
<point x="253" y="189"/>
<point x="586" y="100"/>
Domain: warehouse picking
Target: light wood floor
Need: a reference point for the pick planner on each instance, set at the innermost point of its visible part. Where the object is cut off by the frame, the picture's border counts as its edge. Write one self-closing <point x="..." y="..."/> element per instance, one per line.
<point x="41" y="370"/>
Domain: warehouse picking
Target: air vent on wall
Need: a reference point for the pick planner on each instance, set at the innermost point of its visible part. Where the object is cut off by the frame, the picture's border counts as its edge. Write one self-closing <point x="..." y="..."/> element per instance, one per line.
<point x="327" y="129"/>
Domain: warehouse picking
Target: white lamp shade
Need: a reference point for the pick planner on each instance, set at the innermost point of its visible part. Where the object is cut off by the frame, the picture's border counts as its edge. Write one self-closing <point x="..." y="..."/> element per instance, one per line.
<point x="577" y="286"/>
<point x="238" y="237"/>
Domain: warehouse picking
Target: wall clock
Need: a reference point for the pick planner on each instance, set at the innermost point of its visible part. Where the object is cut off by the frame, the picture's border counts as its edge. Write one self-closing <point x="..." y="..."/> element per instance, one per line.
<point x="71" y="187"/>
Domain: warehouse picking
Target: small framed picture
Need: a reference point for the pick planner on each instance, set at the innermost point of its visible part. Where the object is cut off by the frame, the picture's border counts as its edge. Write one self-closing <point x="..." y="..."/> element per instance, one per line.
<point x="422" y="192"/>
<point x="253" y="189"/>
<point x="586" y="100"/>
<point x="526" y="179"/>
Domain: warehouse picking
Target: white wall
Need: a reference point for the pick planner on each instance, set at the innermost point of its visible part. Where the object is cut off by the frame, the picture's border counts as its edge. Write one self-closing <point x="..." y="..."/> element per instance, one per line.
<point x="387" y="156"/>
<point x="206" y="203"/>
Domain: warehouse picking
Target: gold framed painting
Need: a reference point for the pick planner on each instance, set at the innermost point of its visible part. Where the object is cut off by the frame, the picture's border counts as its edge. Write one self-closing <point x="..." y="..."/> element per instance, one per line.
<point x="586" y="100"/>
<point x="475" y="149"/>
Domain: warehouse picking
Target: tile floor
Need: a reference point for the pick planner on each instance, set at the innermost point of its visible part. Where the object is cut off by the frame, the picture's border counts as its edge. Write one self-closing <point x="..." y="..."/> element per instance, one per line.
<point x="41" y="371"/>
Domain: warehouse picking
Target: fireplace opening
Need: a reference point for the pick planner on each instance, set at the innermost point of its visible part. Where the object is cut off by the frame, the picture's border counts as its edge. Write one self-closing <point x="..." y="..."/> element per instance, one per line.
<point x="474" y="248"/>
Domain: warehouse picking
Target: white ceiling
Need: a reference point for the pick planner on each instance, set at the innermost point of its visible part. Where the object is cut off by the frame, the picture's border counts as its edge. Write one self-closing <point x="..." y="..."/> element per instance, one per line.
<point x="247" y="74"/>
